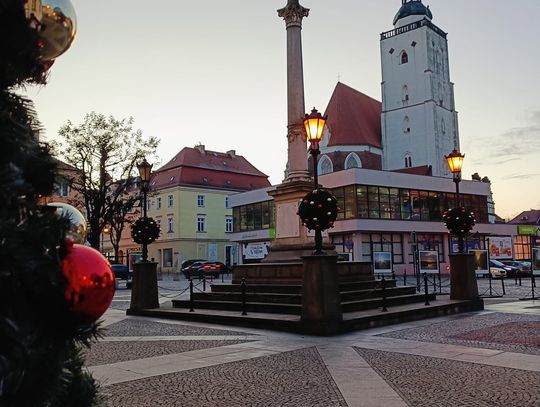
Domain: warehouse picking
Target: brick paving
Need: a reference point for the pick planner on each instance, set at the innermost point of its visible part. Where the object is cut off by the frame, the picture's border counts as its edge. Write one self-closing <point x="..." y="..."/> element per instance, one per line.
<point x="139" y="327"/>
<point x="452" y="332"/>
<point x="296" y="378"/>
<point x="432" y="382"/>
<point x="514" y="333"/>
<point x="112" y="352"/>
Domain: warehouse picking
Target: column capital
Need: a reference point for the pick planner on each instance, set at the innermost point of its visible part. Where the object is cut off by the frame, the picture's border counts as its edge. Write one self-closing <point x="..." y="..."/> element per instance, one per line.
<point x="296" y="131"/>
<point x="293" y="13"/>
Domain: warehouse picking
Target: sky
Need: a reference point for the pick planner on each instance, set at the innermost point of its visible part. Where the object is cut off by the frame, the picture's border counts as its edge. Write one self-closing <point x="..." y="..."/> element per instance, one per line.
<point x="214" y="72"/>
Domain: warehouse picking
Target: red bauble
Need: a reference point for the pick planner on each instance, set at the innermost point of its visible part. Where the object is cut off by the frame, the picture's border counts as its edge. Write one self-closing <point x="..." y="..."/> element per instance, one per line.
<point x="90" y="282"/>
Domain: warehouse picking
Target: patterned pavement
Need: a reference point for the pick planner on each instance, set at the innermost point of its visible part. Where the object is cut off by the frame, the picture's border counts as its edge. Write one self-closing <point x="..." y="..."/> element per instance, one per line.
<point x="489" y="358"/>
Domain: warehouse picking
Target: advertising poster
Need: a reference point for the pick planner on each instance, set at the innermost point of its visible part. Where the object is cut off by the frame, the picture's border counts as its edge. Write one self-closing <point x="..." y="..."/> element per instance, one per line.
<point x="429" y="261"/>
<point x="500" y="247"/>
<point x="480" y="262"/>
<point x="536" y="261"/>
<point x="382" y="262"/>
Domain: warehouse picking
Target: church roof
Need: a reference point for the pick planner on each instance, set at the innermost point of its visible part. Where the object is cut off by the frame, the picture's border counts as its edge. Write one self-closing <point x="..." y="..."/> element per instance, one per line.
<point x="531" y="217"/>
<point x="209" y="169"/>
<point x="353" y="118"/>
<point x="420" y="170"/>
<point x="413" y="8"/>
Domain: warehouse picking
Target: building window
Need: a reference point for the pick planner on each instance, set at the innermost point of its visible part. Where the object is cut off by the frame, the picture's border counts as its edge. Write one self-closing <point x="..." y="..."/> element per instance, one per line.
<point x="158" y="221"/>
<point x="325" y="165"/>
<point x="522" y="247"/>
<point x="255" y="216"/>
<point x="375" y="242"/>
<point x="167" y="258"/>
<point x="405" y="93"/>
<point x="404" y="57"/>
<point x="353" y="161"/>
<point x="406" y="125"/>
<point x="200" y="223"/>
<point x="200" y="201"/>
<point x="62" y="188"/>
<point x="158" y="203"/>
<point x="171" y="201"/>
<point x="149" y="204"/>
<point x="226" y="202"/>
<point x="408" y="161"/>
<point x="228" y="224"/>
<point x="170" y="225"/>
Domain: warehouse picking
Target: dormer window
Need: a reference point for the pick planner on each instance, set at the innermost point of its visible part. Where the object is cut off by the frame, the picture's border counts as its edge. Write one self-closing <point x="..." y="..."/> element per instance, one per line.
<point x="404" y="58"/>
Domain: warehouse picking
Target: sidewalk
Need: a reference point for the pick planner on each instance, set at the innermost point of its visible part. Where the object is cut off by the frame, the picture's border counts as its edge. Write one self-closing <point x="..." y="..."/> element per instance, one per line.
<point x="489" y="358"/>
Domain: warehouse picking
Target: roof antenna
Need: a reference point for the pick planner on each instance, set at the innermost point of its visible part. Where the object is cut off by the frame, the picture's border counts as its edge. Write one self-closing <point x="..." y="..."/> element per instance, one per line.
<point x="339" y="77"/>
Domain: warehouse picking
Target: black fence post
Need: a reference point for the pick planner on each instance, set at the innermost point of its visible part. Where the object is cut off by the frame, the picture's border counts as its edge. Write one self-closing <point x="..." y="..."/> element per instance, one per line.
<point x="222" y="274"/>
<point x="502" y="283"/>
<point x="426" y="293"/>
<point x="405" y="276"/>
<point x="204" y="283"/>
<point x="490" y="288"/>
<point x="243" y="286"/>
<point x="191" y="295"/>
<point x="383" y="287"/>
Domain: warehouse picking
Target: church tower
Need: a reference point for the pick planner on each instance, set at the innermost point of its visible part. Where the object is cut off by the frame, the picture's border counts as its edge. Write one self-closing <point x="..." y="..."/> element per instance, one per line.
<point x="419" y="120"/>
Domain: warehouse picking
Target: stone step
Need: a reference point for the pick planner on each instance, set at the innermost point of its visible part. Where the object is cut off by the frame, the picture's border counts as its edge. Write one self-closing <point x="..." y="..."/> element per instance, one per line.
<point x="376" y="293"/>
<point x="260" y="288"/>
<point x="264" y="307"/>
<point x="374" y="303"/>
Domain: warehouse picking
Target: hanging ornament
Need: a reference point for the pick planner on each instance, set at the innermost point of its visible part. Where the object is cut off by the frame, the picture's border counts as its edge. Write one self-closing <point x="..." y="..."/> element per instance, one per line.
<point x="145" y="231"/>
<point x="90" y="282"/>
<point x="458" y="221"/>
<point x="318" y="210"/>
<point x="56" y="24"/>
<point x="77" y="223"/>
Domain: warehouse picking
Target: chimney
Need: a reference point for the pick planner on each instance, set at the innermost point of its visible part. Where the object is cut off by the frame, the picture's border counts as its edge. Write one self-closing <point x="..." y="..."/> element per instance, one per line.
<point x="232" y="153"/>
<point x="200" y="147"/>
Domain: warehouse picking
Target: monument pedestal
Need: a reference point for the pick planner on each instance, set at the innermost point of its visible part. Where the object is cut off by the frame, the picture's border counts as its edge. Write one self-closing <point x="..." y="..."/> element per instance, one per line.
<point x="292" y="240"/>
<point x="144" y="291"/>
<point x="463" y="285"/>
<point x="321" y="304"/>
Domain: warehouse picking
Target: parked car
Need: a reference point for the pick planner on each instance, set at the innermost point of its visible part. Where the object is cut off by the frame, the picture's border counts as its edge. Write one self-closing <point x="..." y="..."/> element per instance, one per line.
<point x="192" y="270"/>
<point x="524" y="268"/>
<point x="498" y="269"/>
<point x="188" y="263"/>
<point x="214" y="268"/>
<point x="121" y="272"/>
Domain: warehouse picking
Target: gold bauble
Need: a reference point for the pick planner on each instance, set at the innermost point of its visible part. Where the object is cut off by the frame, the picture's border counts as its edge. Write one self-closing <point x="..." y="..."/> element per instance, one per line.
<point x="56" y="23"/>
<point x="77" y="223"/>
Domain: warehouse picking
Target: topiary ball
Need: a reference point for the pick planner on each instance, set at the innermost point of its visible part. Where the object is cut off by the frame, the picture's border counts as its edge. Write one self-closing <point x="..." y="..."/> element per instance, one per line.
<point x="318" y="210"/>
<point x="459" y="221"/>
<point x="144" y="231"/>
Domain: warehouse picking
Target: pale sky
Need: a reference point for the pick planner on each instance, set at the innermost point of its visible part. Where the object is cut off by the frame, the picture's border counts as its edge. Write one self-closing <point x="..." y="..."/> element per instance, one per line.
<point x="214" y="72"/>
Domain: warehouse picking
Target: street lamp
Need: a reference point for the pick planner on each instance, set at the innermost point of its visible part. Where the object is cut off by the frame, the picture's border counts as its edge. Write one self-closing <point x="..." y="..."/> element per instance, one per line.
<point x="314" y="124"/>
<point x="105" y="231"/>
<point x="455" y="163"/>
<point x="145" y="169"/>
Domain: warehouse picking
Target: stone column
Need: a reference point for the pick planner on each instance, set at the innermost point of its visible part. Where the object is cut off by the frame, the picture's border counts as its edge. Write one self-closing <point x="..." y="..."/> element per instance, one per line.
<point x="463" y="285"/>
<point x="144" y="291"/>
<point x="293" y="13"/>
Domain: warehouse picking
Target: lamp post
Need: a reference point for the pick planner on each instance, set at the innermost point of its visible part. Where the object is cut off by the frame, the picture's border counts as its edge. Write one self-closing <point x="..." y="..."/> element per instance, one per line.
<point x="455" y="163"/>
<point x="314" y="124"/>
<point x="145" y="169"/>
<point x="105" y="231"/>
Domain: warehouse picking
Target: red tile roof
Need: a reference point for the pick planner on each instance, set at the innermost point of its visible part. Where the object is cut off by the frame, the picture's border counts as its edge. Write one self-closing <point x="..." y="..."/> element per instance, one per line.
<point x="420" y="170"/>
<point x="531" y="217"/>
<point x="210" y="169"/>
<point x="353" y="118"/>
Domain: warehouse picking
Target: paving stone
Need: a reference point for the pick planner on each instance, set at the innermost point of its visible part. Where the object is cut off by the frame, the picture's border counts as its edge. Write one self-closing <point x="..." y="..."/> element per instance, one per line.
<point x="112" y="352"/>
<point x="297" y="378"/>
<point x="460" y="331"/>
<point x="525" y="334"/>
<point x="139" y="327"/>
<point x="433" y="382"/>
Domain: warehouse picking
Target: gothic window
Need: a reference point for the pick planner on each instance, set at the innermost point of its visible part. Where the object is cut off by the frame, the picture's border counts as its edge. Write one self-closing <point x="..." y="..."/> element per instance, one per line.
<point x="325" y="165"/>
<point x="405" y="94"/>
<point x="353" y="161"/>
<point x="408" y="161"/>
<point x="406" y="125"/>
<point x="404" y="57"/>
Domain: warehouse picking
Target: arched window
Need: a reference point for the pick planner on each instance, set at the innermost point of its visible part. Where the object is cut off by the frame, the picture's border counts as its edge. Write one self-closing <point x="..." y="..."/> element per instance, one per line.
<point x="404" y="57"/>
<point x="325" y="165"/>
<point x="406" y="125"/>
<point x="353" y="161"/>
<point x="408" y="161"/>
<point x="405" y="93"/>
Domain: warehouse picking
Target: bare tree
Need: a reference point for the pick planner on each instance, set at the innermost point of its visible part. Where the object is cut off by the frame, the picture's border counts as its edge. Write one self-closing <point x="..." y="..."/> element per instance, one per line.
<point x="105" y="151"/>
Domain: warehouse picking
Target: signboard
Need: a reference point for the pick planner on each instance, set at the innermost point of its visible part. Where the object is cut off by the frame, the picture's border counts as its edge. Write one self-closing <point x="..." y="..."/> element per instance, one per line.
<point x="349" y="244"/>
<point x="500" y="247"/>
<point x="133" y="258"/>
<point x="382" y="262"/>
<point x="480" y="262"/>
<point x="536" y="261"/>
<point x="255" y="250"/>
<point x="530" y="230"/>
<point x="428" y="261"/>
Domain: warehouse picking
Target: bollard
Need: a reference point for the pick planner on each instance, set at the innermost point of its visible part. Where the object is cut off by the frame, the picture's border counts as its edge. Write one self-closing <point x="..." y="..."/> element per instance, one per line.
<point x="191" y="295"/>
<point x="502" y="283"/>
<point x="405" y="277"/>
<point x="519" y="278"/>
<point x="204" y="283"/>
<point x="383" y="286"/>
<point x="243" y="286"/>
<point x="426" y="294"/>
<point x="222" y="274"/>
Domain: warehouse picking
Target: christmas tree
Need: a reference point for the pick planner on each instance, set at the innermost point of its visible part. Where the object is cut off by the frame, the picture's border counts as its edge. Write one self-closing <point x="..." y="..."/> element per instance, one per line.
<point x="40" y="339"/>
